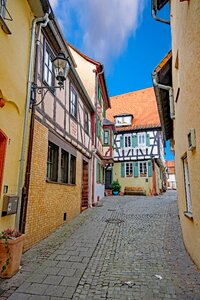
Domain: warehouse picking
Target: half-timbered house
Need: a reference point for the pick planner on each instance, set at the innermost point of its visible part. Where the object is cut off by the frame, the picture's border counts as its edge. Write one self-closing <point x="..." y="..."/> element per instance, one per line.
<point x="92" y="75"/>
<point x="138" y="142"/>
<point x="60" y="148"/>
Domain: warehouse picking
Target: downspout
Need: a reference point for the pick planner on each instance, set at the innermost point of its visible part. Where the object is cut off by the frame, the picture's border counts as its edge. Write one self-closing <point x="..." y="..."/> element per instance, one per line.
<point x="45" y="20"/>
<point x="95" y="131"/>
<point x="170" y="90"/>
<point x="153" y="12"/>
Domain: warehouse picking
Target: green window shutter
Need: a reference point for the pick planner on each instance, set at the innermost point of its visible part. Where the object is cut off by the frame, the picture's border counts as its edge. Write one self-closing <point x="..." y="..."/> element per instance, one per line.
<point x="147" y="140"/>
<point x="104" y="111"/>
<point x="122" y="169"/>
<point x="97" y="172"/>
<point x="121" y="141"/>
<point x="149" y="168"/>
<point x="134" y="141"/>
<point x="135" y="169"/>
<point x="101" y="174"/>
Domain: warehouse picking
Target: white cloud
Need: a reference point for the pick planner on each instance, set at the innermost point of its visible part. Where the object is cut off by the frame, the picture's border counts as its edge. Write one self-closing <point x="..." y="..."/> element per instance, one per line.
<point x="104" y="26"/>
<point x="54" y="3"/>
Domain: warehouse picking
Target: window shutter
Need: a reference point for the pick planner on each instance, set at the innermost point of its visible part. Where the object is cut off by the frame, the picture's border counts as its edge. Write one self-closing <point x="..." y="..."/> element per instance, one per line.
<point x="101" y="174"/>
<point x="134" y="141"/>
<point x="135" y="169"/>
<point x="147" y="140"/>
<point x="122" y="169"/>
<point x="108" y="137"/>
<point x="121" y="141"/>
<point x="97" y="171"/>
<point x="149" y="168"/>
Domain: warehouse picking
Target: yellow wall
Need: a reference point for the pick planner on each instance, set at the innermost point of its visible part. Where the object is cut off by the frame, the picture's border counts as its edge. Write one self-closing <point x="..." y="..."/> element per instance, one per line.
<point x="158" y="180"/>
<point x="13" y="83"/>
<point x="186" y="43"/>
<point x="131" y="181"/>
<point x="47" y="202"/>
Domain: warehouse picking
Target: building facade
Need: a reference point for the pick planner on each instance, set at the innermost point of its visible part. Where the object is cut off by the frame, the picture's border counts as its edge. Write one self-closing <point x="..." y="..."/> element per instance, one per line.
<point x="58" y="169"/>
<point x="182" y="126"/>
<point x="171" y="177"/>
<point x="15" y="23"/>
<point x="138" y="143"/>
<point x="92" y="75"/>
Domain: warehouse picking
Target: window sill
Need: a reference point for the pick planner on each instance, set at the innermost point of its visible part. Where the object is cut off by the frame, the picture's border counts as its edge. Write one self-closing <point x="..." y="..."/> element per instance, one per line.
<point x="4" y="26"/>
<point x="60" y="183"/>
<point x="188" y="215"/>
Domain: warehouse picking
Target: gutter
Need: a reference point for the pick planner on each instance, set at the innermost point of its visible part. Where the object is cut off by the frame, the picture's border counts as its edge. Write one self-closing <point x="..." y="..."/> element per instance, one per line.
<point x="45" y="20"/>
<point x="166" y="88"/>
<point x="153" y="12"/>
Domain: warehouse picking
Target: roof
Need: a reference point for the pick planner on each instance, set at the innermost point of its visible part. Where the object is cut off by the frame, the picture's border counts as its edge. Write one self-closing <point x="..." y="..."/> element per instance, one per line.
<point x="99" y="70"/>
<point x="158" y="4"/>
<point x="163" y="75"/>
<point x="107" y="122"/>
<point x="141" y="104"/>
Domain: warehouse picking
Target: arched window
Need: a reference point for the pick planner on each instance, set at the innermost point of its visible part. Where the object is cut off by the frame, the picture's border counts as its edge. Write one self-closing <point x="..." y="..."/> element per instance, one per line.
<point x="3" y="142"/>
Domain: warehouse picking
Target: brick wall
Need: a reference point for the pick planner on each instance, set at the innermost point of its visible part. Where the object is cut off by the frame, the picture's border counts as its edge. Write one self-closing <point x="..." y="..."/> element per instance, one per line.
<point x="47" y="202"/>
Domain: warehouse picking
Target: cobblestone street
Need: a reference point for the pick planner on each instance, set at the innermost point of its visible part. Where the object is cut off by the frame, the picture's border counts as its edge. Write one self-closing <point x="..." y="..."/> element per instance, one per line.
<point x="126" y="248"/>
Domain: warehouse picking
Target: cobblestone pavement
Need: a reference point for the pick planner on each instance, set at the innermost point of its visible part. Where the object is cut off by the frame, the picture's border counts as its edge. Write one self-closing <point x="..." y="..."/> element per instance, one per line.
<point x="126" y="248"/>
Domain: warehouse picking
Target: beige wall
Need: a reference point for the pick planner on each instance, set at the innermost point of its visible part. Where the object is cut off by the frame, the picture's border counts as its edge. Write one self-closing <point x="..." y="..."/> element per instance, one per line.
<point x="86" y="73"/>
<point x="47" y="202"/>
<point x="131" y="181"/>
<point x="14" y="60"/>
<point x="185" y="26"/>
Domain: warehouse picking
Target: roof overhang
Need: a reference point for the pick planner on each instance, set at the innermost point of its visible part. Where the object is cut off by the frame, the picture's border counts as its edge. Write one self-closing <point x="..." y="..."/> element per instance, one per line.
<point x="163" y="75"/>
<point x="39" y="7"/>
<point x="158" y="4"/>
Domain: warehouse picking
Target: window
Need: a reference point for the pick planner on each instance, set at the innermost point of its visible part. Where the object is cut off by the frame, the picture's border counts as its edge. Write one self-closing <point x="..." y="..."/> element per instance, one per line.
<point x="86" y="121"/>
<point x="61" y="165"/>
<point x="123" y="121"/>
<point x="127" y="141"/>
<point x="187" y="186"/>
<point x="52" y="162"/>
<point x="106" y="137"/>
<point x="141" y="139"/>
<point x="4" y="16"/>
<point x="143" y="169"/>
<point x="73" y="169"/>
<point x="129" y="169"/>
<point x="64" y="166"/>
<point x="73" y="102"/>
<point x="3" y="8"/>
<point x="48" y="66"/>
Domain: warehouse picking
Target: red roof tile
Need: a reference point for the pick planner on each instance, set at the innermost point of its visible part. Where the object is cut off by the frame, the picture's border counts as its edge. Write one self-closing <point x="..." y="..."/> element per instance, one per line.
<point x="141" y="104"/>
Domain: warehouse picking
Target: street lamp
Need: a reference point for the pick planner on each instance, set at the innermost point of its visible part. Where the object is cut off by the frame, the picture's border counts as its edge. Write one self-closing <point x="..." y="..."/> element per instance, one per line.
<point x="61" y="66"/>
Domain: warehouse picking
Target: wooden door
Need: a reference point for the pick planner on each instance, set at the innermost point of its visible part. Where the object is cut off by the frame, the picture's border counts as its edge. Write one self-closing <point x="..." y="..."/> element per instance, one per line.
<point x="108" y="179"/>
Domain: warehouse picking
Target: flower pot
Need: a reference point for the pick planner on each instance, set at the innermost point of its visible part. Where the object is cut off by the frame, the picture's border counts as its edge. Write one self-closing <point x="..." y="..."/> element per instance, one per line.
<point x="10" y="252"/>
<point x="115" y="193"/>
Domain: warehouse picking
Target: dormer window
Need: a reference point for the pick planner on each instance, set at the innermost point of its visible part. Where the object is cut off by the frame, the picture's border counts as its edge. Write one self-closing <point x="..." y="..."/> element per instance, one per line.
<point x="123" y="120"/>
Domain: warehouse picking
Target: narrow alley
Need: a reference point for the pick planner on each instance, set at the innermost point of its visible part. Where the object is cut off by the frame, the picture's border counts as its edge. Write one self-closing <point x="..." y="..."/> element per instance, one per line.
<point x="125" y="248"/>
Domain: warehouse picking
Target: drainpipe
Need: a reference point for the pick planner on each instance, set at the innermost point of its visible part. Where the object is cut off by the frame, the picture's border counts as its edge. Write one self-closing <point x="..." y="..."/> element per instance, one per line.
<point x="153" y="12"/>
<point x="171" y="96"/>
<point x="95" y="132"/>
<point x="45" y="21"/>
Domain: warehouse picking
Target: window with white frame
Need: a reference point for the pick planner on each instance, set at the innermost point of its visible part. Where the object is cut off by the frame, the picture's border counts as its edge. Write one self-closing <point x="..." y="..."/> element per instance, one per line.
<point x="73" y="102"/>
<point x="123" y="120"/>
<point x="129" y="169"/>
<point x="3" y="8"/>
<point x="48" y="66"/>
<point x="143" y="170"/>
<point x="142" y="139"/>
<point x="127" y="141"/>
<point x="187" y="186"/>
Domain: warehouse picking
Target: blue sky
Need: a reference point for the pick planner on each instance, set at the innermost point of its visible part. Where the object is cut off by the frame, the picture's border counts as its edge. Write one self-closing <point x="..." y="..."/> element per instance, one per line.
<point x="121" y="34"/>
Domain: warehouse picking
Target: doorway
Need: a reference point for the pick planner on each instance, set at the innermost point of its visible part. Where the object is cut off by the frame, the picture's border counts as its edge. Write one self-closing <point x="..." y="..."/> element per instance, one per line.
<point x="108" y="179"/>
<point x="187" y="185"/>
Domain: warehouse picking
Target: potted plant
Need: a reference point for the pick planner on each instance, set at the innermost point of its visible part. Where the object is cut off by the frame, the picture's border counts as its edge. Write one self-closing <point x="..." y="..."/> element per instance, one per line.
<point x="11" y="245"/>
<point x="116" y="187"/>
